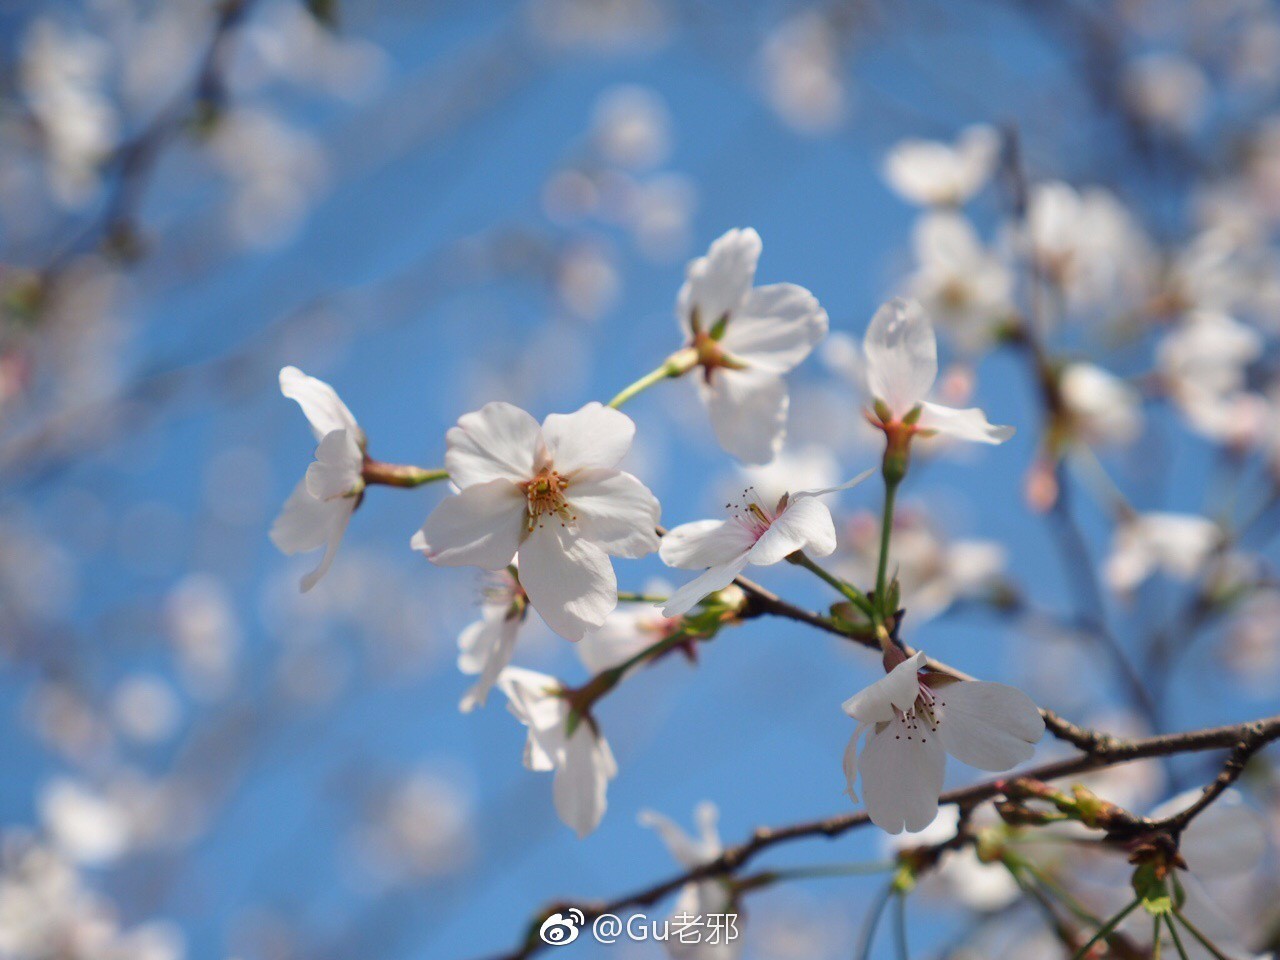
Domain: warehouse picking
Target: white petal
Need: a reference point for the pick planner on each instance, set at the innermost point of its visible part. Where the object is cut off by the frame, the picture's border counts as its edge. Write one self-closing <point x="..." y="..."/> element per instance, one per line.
<point x="705" y="543"/>
<point x="498" y="441"/>
<point x="823" y="491"/>
<point x="717" y="283"/>
<point x="340" y="515"/>
<point x="805" y="524"/>
<point x="569" y="580"/>
<point x="625" y="633"/>
<point x="902" y="772"/>
<point x="716" y="578"/>
<point x="851" y="762"/>
<point x="481" y="526"/>
<point x="775" y="327"/>
<point x="485" y="648"/>
<point x="320" y="404"/>
<point x="968" y="424"/>
<point x="533" y="701"/>
<point x="303" y="523"/>
<point x="990" y="726"/>
<point x="902" y="355"/>
<point x="616" y="511"/>
<point x="338" y="467"/>
<point x="684" y="848"/>
<point x="748" y="410"/>
<point x="897" y="688"/>
<point x="595" y="436"/>
<point x="582" y="779"/>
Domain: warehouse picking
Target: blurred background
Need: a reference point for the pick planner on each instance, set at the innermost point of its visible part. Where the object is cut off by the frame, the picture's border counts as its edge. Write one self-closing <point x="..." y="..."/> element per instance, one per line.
<point x="435" y="205"/>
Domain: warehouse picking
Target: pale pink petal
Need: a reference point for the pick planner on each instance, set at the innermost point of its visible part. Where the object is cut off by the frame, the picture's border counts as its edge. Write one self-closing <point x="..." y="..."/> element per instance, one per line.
<point x="705" y="543"/>
<point x="968" y="424"/>
<point x="532" y="699"/>
<point x="716" y="578"/>
<point x="340" y="516"/>
<point x="804" y="525"/>
<point x="615" y="511"/>
<point x="485" y="647"/>
<point x="337" y="468"/>
<point x="320" y="404"/>
<point x="498" y="441"/>
<point x="748" y="410"/>
<point x="624" y="634"/>
<point x="990" y="726"/>
<point x="303" y="523"/>
<point x="716" y="284"/>
<point x="902" y="355"/>
<point x="775" y="327"/>
<point x="903" y="766"/>
<point x="479" y="527"/>
<point x="595" y="436"/>
<point x="898" y="688"/>
<point x="569" y="580"/>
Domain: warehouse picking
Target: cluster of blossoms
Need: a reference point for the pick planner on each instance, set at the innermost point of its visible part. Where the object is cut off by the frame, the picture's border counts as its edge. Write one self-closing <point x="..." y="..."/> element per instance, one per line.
<point x="546" y="507"/>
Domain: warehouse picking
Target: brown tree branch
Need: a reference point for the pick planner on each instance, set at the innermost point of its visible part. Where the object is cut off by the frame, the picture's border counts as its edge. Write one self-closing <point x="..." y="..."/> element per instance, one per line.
<point x="1107" y="751"/>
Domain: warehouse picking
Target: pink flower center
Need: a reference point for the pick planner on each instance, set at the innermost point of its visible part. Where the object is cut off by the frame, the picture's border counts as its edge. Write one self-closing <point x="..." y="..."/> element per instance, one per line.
<point x="753" y="515"/>
<point x="924" y="718"/>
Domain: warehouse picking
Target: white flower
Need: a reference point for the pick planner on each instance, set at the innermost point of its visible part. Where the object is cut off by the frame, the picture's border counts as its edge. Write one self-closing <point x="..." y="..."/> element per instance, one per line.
<point x="1178" y="544"/>
<point x="703" y="897"/>
<point x="961" y="874"/>
<point x="931" y="173"/>
<point x="628" y="630"/>
<point x="86" y="826"/>
<point x="746" y="339"/>
<point x="318" y="511"/>
<point x="902" y="364"/>
<point x="583" y="763"/>
<point x="962" y="285"/>
<point x="485" y="647"/>
<point x="754" y="533"/>
<point x="913" y="721"/>
<point x="1105" y="409"/>
<point x="554" y="495"/>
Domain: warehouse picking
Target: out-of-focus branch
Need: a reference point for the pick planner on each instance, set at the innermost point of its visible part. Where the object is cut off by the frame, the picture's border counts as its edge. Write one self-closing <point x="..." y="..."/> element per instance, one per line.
<point x="1107" y="752"/>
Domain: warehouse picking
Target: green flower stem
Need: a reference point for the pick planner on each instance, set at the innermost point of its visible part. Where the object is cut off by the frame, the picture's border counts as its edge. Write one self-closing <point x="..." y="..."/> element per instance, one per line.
<point x="400" y="475"/>
<point x="628" y="597"/>
<point x="1177" y="940"/>
<point x="677" y="365"/>
<point x="1106" y="930"/>
<point x="886" y="534"/>
<point x="1195" y="932"/>
<point x="847" y="590"/>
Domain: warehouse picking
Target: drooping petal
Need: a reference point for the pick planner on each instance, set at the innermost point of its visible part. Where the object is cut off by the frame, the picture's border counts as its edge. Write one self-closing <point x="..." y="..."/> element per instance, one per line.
<point x="302" y="524"/>
<point x="340" y="516"/>
<point x="594" y="437"/>
<point x="805" y="524"/>
<point x="569" y="580"/>
<point x="581" y="781"/>
<point x="970" y="424"/>
<point x="902" y="355"/>
<point x="704" y="543"/>
<point x="775" y="327"/>
<point x="485" y="647"/>
<point x="684" y="848"/>
<point x="713" y="579"/>
<point x="320" y="403"/>
<point x="897" y="688"/>
<point x="715" y="284"/>
<point x="990" y="726"/>
<point x="748" y="410"/>
<point x="615" y="511"/>
<point x="498" y="441"/>
<point x="481" y="526"/>
<point x="851" y="762"/>
<point x="337" y="469"/>
<point x="532" y="699"/>
<point x="903" y="766"/>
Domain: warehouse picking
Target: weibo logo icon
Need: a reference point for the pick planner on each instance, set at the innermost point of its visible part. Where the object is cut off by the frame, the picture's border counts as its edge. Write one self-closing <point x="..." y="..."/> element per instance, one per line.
<point x="561" y="928"/>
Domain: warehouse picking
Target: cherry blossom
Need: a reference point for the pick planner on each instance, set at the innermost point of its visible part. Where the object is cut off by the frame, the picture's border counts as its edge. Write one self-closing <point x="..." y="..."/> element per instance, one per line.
<point x="485" y="646"/>
<point x="1177" y="544"/>
<point x="754" y="534"/>
<point x="746" y="338"/>
<point x="912" y="719"/>
<point x="702" y="897"/>
<point x="965" y="287"/>
<point x="932" y="173"/>
<point x="583" y="762"/>
<point x="961" y="874"/>
<point x="1104" y="409"/>
<point x="551" y="494"/>
<point x="901" y="367"/>
<point x="318" y="511"/>
<point x="629" y="629"/>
